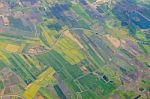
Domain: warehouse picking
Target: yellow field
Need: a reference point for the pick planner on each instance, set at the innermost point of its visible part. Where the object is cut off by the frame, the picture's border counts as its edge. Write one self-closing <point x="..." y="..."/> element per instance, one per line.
<point x="45" y="34"/>
<point x="10" y="47"/>
<point x="43" y="80"/>
<point x="4" y="58"/>
<point x="70" y="50"/>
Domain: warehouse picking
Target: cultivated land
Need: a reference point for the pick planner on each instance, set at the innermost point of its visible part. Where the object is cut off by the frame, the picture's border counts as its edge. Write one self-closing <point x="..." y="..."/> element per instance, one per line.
<point x="74" y="49"/>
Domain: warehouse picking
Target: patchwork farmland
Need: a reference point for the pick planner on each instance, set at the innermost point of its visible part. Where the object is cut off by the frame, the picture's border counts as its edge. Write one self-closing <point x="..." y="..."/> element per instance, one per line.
<point x="74" y="49"/>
